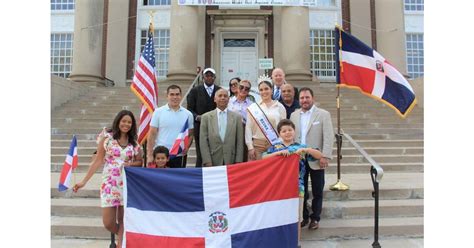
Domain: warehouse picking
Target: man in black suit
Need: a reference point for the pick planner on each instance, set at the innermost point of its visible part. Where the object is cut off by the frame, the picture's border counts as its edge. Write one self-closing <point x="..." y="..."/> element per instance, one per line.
<point x="201" y="100"/>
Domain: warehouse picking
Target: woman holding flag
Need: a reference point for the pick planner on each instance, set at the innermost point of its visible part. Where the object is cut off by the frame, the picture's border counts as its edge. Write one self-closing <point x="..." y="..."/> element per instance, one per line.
<point x="115" y="151"/>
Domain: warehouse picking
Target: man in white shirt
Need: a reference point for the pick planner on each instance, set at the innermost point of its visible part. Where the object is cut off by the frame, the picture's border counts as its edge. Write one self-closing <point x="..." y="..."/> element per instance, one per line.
<point x="313" y="127"/>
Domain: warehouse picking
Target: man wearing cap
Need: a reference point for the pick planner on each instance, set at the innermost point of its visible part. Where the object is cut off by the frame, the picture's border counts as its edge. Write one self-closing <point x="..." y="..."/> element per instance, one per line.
<point x="201" y="100"/>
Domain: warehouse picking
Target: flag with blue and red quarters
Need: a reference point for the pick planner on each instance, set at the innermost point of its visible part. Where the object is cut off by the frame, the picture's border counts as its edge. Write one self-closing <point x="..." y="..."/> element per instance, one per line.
<point x="251" y="204"/>
<point x="181" y="142"/>
<point x="361" y="67"/>
<point x="69" y="165"/>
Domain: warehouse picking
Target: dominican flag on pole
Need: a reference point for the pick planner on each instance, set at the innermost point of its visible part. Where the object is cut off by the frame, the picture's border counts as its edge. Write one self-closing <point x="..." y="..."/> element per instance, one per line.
<point x="69" y="165"/>
<point x="363" y="68"/>
<point x="252" y="204"/>
<point x="181" y="142"/>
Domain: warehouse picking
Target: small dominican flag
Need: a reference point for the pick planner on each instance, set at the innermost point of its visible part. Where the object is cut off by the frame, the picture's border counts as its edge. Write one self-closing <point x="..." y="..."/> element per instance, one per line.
<point x="181" y="142"/>
<point x="361" y="67"/>
<point x="252" y="204"/>
<point x="69" y="165"/>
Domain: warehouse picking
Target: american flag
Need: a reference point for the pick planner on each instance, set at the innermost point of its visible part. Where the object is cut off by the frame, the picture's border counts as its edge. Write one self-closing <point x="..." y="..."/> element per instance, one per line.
<point x="145" y="88"/>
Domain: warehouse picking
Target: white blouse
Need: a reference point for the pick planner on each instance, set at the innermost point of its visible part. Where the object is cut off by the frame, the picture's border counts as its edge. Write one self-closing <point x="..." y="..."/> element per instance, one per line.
<point x="275" y="113"/>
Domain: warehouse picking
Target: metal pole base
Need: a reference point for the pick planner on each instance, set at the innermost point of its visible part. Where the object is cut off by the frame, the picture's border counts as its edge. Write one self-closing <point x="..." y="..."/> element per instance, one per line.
<point x="339" y="186"/>
<point x="376" y="245"/>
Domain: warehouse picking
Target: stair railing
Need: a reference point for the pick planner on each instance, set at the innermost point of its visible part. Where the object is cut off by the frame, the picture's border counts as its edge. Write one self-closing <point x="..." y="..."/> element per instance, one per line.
<point x="376" y="173"/>
<point x="193" y="84"/>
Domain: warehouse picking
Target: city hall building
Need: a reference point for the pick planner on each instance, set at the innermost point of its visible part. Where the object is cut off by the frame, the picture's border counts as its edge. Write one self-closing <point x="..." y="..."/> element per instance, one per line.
<point x="101" y="40"/>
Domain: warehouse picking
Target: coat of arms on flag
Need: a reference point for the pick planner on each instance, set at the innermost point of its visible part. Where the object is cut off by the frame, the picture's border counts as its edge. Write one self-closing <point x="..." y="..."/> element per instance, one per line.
<point x="252" y="204"/>
<point x="361" y="67"/>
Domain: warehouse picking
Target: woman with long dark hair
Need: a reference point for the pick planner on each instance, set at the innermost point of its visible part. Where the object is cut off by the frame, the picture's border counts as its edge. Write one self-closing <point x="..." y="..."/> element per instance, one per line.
<point x="116" y="150"/>
<point x="234" y="86"/>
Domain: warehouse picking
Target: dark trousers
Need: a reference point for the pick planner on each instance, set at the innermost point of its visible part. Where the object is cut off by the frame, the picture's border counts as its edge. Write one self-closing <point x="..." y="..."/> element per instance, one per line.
<point x="197" y="126"/>
<point x="317" y="186"/>
<point x="178" y="162"/>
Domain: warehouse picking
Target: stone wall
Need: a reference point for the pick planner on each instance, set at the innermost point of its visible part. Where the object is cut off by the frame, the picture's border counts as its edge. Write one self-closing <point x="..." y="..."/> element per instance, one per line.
<point x="63" y="90"/>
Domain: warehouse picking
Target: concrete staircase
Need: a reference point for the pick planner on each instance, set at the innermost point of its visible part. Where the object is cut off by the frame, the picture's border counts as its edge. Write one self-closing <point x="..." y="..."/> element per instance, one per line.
<point x="396" y="144"/>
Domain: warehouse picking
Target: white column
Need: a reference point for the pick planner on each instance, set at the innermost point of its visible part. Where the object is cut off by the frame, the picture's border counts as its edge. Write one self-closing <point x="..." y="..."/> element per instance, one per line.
<point x="183" y="42"/>
<point x="87" y="53"/>
<point x="295" y="43"/>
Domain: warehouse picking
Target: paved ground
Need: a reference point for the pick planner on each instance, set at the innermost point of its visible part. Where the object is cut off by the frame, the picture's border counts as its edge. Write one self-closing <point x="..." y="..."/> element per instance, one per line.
<point x="384" y="242"/>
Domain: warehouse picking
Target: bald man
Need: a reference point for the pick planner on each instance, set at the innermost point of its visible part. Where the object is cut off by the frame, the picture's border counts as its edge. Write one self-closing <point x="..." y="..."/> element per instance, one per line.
<point x="288" y="99"/>
<point x="278" y="79"/>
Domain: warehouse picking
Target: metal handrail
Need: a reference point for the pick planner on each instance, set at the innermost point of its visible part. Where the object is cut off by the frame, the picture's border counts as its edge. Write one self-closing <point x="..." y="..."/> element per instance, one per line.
<point x="190" y="88"/>
<point x="376" y="173"/>
<point x="372" y="162"/>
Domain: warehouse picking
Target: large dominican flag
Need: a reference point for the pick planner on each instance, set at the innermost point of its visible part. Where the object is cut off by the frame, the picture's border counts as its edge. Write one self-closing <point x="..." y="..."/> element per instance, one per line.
<point x="252" y="204"/>
<point x="363" y="68"/>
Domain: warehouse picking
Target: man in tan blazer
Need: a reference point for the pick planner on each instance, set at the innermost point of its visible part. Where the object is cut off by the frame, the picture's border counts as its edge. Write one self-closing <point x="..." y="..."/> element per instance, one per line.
<point x="221" y="134"/>
<point x="313" y="127"/>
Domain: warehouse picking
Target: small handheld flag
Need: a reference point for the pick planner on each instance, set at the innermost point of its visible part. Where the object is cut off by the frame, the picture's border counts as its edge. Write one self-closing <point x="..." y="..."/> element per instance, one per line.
<point x="181" y="142"/>
<point x="69" y="164"/>
<point x="363" y="68"/>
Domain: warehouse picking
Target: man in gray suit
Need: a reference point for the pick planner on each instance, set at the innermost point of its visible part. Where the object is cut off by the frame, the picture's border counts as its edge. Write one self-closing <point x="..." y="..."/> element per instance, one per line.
<point x="313" y="127"/>
<point x="221" y="134"/>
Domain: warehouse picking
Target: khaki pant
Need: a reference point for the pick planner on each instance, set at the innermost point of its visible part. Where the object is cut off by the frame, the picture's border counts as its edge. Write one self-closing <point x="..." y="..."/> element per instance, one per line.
<point x="260" y="147"/>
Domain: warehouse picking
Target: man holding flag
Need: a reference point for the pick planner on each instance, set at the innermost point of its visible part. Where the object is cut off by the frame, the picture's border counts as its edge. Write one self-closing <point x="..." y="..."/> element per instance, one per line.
<point x="166" y="128"/>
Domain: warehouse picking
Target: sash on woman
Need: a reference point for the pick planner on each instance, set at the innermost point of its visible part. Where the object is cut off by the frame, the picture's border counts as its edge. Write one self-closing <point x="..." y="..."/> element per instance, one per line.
<point x="263" y="123"/>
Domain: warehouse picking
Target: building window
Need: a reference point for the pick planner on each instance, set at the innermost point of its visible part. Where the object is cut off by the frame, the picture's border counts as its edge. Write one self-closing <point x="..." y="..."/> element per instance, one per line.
<point x="415" y="55"/>
<point x="322" y="57"/>
<point x="61" y="54"/>
<point x="161" y="38"/>
<point x="156" y="2"/>
<point x="414" y="5"/>
<point x="62" y="4"/>
<point x="326" y="3"/>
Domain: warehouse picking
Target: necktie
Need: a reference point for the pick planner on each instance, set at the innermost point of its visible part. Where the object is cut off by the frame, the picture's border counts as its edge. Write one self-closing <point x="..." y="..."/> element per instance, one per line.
<point x="277" y="94"/>
<point x="209" y="91"/>
<point x="222" y="125"/>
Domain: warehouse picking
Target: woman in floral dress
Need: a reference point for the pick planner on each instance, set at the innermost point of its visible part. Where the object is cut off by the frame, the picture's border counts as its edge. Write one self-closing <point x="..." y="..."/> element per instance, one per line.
<point x="115" y="150"/>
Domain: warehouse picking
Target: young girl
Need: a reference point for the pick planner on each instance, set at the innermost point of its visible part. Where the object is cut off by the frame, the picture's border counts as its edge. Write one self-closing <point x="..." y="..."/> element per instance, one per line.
<point x="288" y="146"/>
<point x="115" y="151"/>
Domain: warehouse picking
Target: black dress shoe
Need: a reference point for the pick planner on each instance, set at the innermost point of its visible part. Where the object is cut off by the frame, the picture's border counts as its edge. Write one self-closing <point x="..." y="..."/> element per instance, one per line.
<point x="304" y="223"/>
<point x="313" y="225"/>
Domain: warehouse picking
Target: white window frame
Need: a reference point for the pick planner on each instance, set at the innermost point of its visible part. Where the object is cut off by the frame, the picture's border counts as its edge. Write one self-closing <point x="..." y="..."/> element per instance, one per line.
<point x="419" y="57"/>
<point x="323" y="63"/>
<point x="162" y="47"/>
<point x="70" y="5"/>
<point x="415" y="4"/>
<point x="61" y="53"/>
<point x="155" y="1"/>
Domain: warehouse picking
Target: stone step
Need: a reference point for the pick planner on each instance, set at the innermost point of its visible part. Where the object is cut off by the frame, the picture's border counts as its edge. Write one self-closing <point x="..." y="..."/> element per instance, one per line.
<point x="394" y="186"/>
<point x="92" y="227"/>
<point x="90" y="147"/>
<point x="379" y="158"/>
<point x="385" y="241"/>
<point x="90" y="207"/>
<point x="364" y="228"/>
<point x="345" y="143"/>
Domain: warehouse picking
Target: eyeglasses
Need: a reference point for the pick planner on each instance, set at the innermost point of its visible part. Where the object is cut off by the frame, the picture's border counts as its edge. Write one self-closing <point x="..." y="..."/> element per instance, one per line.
<point x="234" y="84"/>
<point x="241" y="87"/>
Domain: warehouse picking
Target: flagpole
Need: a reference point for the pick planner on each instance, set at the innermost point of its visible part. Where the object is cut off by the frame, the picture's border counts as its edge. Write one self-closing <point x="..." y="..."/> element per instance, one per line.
<point x="339" y="185"/>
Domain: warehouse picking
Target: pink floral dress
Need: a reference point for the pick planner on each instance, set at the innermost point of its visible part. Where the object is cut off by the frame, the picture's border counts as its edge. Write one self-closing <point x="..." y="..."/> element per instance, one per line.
<point x="111" y="189"/>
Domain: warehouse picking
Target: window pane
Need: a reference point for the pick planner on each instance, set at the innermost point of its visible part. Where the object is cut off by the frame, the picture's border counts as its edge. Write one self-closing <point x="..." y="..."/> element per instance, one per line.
<point x="61" y="53"/>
